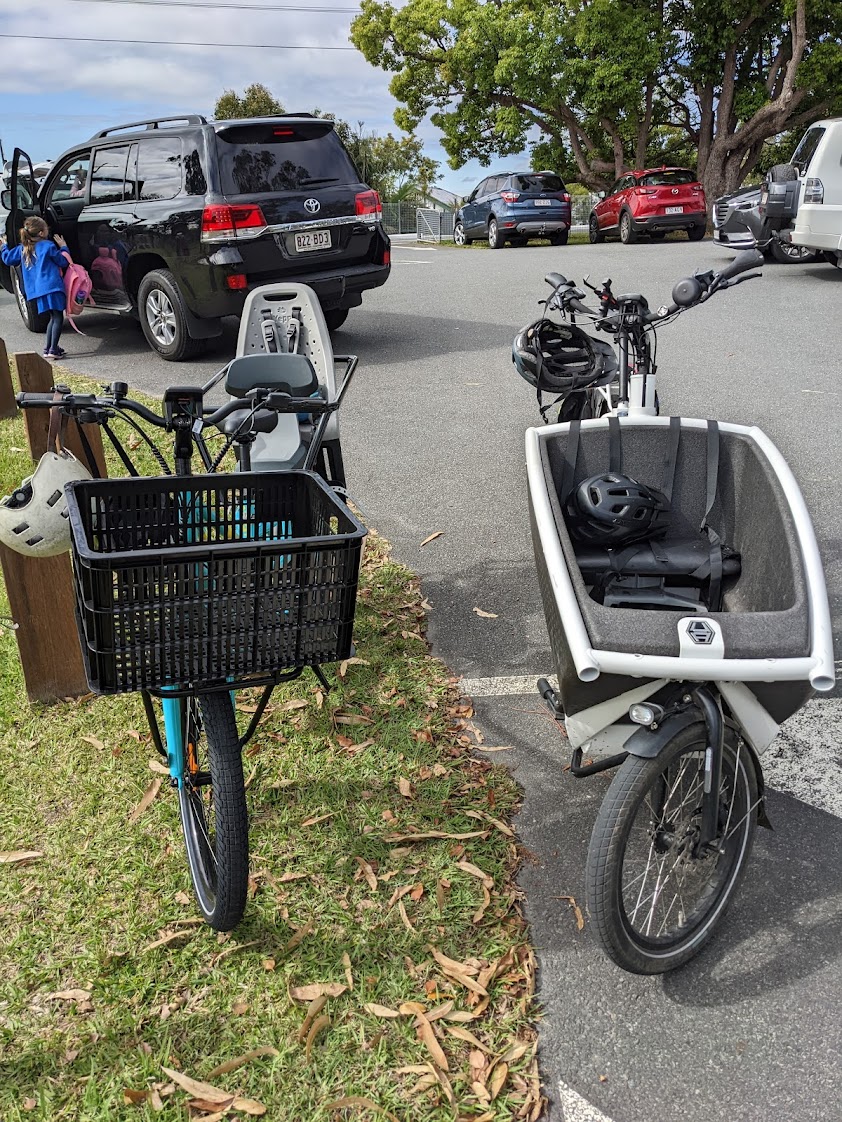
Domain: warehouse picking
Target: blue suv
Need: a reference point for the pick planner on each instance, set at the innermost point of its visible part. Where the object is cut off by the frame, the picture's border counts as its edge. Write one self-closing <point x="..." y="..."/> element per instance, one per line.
<point x="514" y="207"/>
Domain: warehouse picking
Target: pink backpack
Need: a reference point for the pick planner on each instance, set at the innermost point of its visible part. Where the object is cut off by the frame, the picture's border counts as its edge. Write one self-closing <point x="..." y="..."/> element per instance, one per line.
<point x="106" y="269"/>
<point x="77" y="289"/>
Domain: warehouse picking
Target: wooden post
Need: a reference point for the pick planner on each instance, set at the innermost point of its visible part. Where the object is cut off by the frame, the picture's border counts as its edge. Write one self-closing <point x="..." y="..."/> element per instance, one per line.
<point x="40" y="589"/>
<point x="7" y="390"/>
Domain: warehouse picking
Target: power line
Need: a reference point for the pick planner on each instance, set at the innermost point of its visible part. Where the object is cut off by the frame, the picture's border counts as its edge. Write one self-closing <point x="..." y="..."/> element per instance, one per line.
<point x="204" y="4"/>
<point x="181" y="43"/>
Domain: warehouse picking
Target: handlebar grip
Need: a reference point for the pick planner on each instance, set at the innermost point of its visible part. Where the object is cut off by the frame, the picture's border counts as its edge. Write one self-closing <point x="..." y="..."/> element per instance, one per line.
<point x="748" y="259"/>
<point x="556" y="280"/>
<point x="578" y="306"/>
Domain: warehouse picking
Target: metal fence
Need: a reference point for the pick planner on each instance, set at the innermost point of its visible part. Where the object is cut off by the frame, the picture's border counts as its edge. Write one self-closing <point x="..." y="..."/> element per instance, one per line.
<point x="436" y="225"/>
<point x="400" y="218"/>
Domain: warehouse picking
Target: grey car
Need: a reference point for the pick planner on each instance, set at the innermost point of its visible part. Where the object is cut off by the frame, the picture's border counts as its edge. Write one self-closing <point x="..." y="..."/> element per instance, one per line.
<point x="739" y="223"/>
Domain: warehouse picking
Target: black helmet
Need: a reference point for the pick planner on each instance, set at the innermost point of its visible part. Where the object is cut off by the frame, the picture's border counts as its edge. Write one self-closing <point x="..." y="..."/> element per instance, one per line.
<point x="560" y="357"/>
<point x="613" y="509"/>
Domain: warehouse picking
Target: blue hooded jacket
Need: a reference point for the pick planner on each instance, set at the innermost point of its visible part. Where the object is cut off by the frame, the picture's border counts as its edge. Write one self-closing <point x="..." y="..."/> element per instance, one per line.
<point x="43" y="274"/>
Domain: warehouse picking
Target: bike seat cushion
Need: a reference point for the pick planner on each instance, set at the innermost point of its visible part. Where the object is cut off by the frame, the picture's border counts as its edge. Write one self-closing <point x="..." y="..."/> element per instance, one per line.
<point x="285" y="373"/>
<point x="264" y="420"/>
<point x="681" y="557"/>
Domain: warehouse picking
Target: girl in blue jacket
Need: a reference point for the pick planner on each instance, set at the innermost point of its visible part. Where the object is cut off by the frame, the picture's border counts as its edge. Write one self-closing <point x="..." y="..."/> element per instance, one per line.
<point x="43" y="264"/>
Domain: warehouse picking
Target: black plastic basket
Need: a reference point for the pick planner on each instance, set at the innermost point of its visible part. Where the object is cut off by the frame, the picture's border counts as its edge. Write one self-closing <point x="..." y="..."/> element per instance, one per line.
<point x="210" y="579"/>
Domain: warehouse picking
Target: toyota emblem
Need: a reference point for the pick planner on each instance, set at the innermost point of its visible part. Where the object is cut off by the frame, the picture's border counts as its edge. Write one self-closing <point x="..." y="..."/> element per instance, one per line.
<point x="674" y="191"/>
<point x="312" y="205"/>
<point x="701" y="632"/>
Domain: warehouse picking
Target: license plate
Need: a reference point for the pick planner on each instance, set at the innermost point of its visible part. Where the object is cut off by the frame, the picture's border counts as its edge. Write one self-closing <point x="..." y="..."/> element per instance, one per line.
<point x="674" y="210"/>
<point x="543" y="202"/>
<point x="313" y="239"/>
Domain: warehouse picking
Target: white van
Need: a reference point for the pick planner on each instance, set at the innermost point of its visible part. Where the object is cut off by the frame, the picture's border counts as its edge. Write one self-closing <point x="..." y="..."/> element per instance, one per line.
<point x="805" y="196"/>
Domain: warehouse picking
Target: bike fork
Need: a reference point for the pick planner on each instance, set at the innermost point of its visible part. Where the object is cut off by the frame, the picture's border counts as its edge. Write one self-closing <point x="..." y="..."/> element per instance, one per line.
<point x="711" y="709"/>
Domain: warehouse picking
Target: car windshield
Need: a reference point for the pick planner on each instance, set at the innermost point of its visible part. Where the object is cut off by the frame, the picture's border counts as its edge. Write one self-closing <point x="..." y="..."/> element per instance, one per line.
<point x="260" y="159"/>
<point x="675" y="177"/>
<point x="539" y="183"/>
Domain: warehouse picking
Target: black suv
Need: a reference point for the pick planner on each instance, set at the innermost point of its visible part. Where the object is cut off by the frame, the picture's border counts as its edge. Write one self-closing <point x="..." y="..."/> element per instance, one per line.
<point x="177" y="219"/>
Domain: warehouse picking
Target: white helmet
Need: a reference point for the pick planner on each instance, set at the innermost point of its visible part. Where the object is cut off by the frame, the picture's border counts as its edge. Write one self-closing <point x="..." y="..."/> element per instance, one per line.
<point x="34" y="519"/>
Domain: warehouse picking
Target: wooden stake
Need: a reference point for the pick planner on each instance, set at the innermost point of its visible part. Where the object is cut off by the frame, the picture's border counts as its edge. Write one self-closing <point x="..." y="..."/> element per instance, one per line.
<point x="40" y="589"/>
<point x="8" y="408"/>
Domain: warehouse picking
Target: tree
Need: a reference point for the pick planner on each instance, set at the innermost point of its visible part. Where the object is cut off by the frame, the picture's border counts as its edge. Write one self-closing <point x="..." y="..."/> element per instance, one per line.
<point x="257" y="101"/>
<point x="395" y="167"/>
<point x="609" y="84"/>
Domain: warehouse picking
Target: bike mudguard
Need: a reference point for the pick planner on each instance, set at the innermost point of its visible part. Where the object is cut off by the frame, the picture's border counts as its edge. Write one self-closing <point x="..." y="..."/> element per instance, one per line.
<point x="648" y="743"/>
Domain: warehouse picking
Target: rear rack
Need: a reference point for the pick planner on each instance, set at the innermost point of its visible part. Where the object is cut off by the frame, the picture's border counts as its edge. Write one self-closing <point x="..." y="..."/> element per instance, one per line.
<point x="154" y="123"/>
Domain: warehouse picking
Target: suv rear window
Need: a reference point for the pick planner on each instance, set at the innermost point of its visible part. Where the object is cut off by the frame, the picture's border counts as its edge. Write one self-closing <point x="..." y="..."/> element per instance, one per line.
<point x="539" y="183"/>
<point x="675" y="178"/>
<point x="259" y="159"/>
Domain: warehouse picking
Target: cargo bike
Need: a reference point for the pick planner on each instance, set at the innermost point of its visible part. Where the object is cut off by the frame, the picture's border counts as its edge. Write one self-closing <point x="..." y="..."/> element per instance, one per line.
<point x="687" y="613"/>
<point x="191" y="586"/>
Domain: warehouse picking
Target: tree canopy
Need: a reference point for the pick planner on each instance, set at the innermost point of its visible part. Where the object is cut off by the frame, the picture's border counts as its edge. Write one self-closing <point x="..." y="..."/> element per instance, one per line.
<point x="609" y="84"/>
<point x="257" y="101"/>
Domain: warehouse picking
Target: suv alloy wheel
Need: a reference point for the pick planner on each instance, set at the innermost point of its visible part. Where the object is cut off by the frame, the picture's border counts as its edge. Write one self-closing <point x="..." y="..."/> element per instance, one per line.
<point x="495" y="239"/>
<point x="628" y="236"/>
<point x="459" y="235"/>
<point x="595" y="235"/>
<point x="163" y="317"/>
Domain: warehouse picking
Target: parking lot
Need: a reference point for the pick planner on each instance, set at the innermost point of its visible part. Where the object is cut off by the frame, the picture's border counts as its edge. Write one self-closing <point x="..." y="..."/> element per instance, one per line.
<point x="433" y="439"/>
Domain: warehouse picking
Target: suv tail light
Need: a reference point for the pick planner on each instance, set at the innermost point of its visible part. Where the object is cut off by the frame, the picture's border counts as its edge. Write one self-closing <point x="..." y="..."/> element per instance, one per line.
<point x="509" y="196"/>
<point x="565" y="198"/>
<point x="646" y="190"/>
<point x="221" y="223"/>
<point x="813" y="191"/>
<point x="368" y="202"/>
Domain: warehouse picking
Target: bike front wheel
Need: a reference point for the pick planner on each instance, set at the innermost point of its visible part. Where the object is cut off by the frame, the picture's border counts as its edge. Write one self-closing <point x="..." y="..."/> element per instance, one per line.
<point x="212" y="803"/>
<point x="654" y="897"/>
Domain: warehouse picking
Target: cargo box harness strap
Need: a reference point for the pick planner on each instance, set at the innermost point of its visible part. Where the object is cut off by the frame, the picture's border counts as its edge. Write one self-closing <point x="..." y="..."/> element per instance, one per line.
<point x="668" y="557"/>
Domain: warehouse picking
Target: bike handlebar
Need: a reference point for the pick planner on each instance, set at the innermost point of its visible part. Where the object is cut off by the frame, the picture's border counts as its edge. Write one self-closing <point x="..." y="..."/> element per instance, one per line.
<point x="278" y="402"/>
<point x="748" y="259"/>
<point x="556" y="280"/>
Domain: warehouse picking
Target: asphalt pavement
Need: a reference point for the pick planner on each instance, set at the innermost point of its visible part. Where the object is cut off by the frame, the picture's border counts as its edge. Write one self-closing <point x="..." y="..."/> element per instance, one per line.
<point x="433" y="438"/>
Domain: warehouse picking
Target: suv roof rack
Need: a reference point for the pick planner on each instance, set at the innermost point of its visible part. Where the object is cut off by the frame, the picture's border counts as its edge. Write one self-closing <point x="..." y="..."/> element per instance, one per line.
<point x="154" y="123"/>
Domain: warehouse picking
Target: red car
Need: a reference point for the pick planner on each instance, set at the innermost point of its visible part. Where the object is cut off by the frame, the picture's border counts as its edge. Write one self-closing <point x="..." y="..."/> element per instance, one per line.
<point x="650" y="202"/>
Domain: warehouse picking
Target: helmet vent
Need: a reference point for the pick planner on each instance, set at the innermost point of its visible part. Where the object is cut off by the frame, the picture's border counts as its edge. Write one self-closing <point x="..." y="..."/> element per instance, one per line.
<point x="54" y="498"/>
<point x="21" y="528"/>
<point x="35" y="540"/>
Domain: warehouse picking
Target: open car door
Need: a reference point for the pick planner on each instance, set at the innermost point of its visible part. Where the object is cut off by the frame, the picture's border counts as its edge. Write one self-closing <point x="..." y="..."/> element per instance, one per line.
<point x="21" y="201"/>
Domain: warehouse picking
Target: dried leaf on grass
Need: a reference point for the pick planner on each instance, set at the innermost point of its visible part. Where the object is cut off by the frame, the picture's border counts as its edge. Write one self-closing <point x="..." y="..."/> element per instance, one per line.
<point x="451" y="963"/>
<point x="158" y="767"/>
<point x="317" y="1026"/>
<point x="405" y="787"/>
<point x="165" y="940"/>
<point x="197" y="1088"/>
<point x="231" y="950"/>
<point x="368" y="873"/>
<point x="502" y="748"/>
<point x="481" y="910"/>
<point x="300" y="935"/>
<point x="144" y="804"/>
<point x="434" y="834"/>
<point x="349" y="977"/>
<point x="315" y="1007"/>
<point x="468" y="1037"/>
<point x="439" y="1011"/>
<point x="359" y="1100"/>
<point x="380" y="1010"/>
<point x="287" y="877"/>
<point x="19" y="856"/>
<point x="498" y="1079"/>
<point x="241" y="1061"/>
<point x="405" y="917"/>
<point x="341" y="718"/>
<point x="69" y="995"/>
<point x="474" y="871"/>
<point x="317" y="989"/>
<point x="95" y="742"/>
<point x="495" y="822"/>
<point x="136" y="1097"/>
<point x="431" y="538"/>
<point x="318" y="818"/>
<point x="428" y="1037"/>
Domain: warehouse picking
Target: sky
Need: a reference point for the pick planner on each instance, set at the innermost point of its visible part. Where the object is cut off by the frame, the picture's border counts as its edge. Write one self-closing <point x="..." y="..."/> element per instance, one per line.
<point x="55" y="92"/>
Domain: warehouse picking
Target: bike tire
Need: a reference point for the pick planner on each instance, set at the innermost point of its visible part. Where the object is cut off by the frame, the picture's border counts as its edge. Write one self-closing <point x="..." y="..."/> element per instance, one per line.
<point x="214" y="816"/>
<point x="614" y="897"/>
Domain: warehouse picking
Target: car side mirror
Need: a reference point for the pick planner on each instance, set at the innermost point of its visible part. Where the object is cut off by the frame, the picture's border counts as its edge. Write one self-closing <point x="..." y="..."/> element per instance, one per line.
<point x="6" y="200"/>
<point x="600" y="194"/>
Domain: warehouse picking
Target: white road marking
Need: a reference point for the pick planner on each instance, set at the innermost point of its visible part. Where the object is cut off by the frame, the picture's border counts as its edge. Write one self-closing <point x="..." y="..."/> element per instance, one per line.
<point x="414" y="248"/>
<point x="805" y="760"/>
<point x="576" y="1109"/>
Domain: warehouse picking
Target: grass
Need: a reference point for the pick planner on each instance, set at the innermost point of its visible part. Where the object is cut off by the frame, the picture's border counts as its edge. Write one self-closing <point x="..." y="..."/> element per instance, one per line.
<point x="107" y="978"/>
